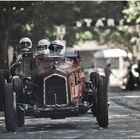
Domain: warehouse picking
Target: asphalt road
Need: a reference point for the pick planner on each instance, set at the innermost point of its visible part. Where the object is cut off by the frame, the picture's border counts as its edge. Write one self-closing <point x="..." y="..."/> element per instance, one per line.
<point x="124" y="121"/>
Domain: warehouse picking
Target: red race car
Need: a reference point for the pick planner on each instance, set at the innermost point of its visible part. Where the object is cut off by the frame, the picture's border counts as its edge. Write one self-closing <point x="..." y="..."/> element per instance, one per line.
<point x="54" y="86"/>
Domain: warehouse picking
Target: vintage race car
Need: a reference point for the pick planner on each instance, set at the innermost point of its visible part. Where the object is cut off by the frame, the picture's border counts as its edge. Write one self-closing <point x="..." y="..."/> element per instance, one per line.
<point x="63" y="90"/>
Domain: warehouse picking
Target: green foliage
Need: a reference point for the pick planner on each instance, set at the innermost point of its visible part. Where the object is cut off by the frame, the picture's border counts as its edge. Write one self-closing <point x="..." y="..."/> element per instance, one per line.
<point x="38" y="19"/>
<point x="132" y="13"/>
<point x="44" y="15"/>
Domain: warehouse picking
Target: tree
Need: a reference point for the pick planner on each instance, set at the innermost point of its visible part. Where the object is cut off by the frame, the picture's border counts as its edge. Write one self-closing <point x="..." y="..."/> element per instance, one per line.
<point x="11" y="17"/>
<point x="39" y="20"/>
<point x="132" y="12"/>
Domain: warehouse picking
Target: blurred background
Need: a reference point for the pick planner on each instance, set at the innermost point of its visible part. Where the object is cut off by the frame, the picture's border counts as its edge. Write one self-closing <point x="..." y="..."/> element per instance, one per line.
<point x="103" y="31"/>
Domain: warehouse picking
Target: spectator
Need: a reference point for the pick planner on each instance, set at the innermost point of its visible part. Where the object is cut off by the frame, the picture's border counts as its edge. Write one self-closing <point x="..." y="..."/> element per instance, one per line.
<point x="108" y="72"/>
<point x="130" y="79"/>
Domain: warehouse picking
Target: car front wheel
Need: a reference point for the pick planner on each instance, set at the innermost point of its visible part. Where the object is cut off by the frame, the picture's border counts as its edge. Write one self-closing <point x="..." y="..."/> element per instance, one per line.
<point x="10" y="108"/>
<point x="102" y="104"/>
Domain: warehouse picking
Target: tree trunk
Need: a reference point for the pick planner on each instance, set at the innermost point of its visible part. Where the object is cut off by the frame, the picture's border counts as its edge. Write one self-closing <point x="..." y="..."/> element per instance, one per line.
<point x="3" y="52"/>
<point x="4" y="38"/>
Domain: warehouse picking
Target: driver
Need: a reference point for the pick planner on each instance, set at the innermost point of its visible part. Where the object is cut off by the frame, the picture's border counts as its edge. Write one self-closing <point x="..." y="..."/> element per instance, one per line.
<point x="25" y="46"/>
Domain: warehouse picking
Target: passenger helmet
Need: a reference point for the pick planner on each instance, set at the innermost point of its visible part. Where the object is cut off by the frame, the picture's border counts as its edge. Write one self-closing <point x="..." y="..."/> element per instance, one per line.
<point x="43" y="44"/>
<point x="25" y="44"/>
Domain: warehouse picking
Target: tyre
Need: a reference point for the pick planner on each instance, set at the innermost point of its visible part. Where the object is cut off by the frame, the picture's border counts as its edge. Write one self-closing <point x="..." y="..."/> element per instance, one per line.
<point x="10" y="108"/>
<point x="102" y="103"/>
<point x="18" y="88"/>
<point x="94" y="108"/>
<point x="95" y="104"/>
<point x="20" y="116"/>
<point x="7" y="75"/>
<point x="94" y="77"/>
<point x="130" y="84"/>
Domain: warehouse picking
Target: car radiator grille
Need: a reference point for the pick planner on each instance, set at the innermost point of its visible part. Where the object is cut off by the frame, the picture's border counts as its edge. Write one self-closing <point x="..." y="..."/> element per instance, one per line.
<point x="55" y="90"/>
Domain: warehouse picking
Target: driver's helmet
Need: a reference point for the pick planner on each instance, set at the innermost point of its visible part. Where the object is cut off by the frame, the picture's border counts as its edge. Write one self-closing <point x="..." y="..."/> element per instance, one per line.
<point x="56" y="47"/>
<point x="25" y="45"/>
<point x="43" y="44"/>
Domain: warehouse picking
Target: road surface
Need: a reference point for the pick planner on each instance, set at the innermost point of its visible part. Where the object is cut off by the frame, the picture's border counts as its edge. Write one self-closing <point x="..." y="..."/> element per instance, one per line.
<point x="124" y="123"/>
